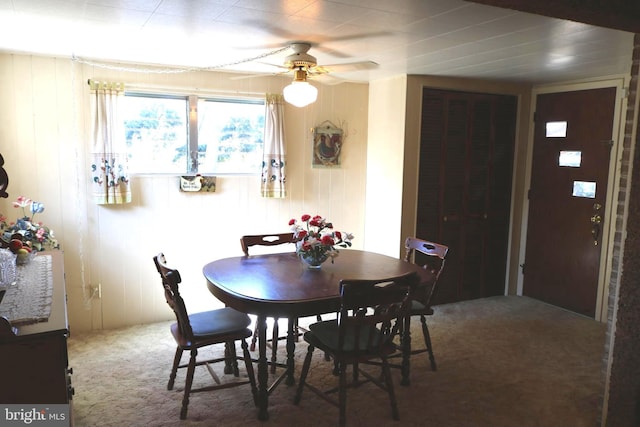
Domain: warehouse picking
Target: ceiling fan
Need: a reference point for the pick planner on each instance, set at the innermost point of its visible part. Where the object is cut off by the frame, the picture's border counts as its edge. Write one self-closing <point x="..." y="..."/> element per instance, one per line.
<point x="305" y="66"/>
<point x="301" y="60"/>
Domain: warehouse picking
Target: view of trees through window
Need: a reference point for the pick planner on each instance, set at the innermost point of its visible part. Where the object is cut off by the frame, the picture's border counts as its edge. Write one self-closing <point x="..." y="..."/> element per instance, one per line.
<point x="226" y="136"/>
<point x="230" y="136"/>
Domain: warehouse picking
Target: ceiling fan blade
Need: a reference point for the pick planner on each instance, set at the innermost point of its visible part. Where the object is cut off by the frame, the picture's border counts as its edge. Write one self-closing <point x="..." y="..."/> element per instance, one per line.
<point x="316" y="41"/>
<point x="246" y="76"/>
<point x="346" y="67"/>
<point x="253" y="76"/>
<point x="348" y="37"/>
<point x="326" y="79"/>
<point x="282" y="67"/>
<point x="332" y="52"/>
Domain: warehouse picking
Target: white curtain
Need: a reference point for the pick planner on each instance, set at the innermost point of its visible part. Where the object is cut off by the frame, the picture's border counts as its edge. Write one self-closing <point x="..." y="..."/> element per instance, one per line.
<point x="274" y="157"/>
<point x="109" y="171"/>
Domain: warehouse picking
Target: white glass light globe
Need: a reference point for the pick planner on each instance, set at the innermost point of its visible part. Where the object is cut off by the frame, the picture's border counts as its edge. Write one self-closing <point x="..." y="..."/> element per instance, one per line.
<point x="300" y="94"/>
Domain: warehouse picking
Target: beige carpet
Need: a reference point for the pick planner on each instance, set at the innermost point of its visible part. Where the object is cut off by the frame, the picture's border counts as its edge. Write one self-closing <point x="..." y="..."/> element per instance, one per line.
<point x="502" y="362"/>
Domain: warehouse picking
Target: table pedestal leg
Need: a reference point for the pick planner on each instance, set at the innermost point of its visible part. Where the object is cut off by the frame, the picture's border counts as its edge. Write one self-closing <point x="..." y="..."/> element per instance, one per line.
<point x="406" y="352"/>
<point x="291" y="348"/>
<point x="263" y="375"/>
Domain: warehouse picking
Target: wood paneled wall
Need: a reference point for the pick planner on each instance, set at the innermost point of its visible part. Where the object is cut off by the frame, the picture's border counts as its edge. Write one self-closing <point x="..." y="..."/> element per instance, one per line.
<point x="44" y="135"/>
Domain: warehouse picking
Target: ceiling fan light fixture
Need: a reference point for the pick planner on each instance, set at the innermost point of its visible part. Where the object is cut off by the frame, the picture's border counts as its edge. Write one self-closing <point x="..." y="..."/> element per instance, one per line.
<point x="300" y="93"/>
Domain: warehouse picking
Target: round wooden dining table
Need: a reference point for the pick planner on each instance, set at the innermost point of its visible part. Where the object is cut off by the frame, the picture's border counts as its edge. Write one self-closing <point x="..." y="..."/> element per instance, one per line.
<point x="280" y="285"/>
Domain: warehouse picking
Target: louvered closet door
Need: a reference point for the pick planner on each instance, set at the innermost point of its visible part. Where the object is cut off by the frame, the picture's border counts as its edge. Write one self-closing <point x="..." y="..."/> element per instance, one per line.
<point x="466" y="157"/>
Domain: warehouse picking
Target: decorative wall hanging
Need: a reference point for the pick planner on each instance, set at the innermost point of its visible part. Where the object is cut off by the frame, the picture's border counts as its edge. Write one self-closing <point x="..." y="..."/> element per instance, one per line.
<point x="327" y="145"/>
<point x="198" y="183"/>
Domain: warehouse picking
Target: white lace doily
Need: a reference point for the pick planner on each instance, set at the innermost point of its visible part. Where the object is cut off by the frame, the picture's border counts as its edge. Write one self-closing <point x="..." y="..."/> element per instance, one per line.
<point x="29" y="300"/>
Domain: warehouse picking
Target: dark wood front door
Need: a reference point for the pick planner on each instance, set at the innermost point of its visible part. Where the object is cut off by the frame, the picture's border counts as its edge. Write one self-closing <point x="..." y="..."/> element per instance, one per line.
<point x="570" y="169"/>
<point x="464" y="195"/>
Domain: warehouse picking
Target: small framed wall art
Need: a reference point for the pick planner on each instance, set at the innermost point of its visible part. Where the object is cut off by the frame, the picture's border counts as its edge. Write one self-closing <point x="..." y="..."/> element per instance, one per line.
<point x="198" y="184"/>
<point x="327" y="145"/>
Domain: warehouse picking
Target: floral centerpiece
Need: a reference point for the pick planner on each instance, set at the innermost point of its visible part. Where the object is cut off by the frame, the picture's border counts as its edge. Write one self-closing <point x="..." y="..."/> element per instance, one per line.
<point x="316" y="240"/>
<point x="26" y="235"/>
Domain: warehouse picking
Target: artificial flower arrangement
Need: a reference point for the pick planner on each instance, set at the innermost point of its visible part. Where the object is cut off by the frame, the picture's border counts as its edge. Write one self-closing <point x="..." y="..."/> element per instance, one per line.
<point x="316" y="240"/>
<point x="25" y="235"/>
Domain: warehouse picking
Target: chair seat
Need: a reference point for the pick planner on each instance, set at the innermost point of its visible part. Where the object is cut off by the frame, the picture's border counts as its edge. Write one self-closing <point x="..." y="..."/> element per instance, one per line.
<point x="419" y="308"/>
<point x="324" y="335"/>
<point x="214" y="324"/>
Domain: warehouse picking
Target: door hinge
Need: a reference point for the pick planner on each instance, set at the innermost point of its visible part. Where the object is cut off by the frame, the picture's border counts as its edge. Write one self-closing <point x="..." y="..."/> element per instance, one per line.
<point x="522" y="268"/>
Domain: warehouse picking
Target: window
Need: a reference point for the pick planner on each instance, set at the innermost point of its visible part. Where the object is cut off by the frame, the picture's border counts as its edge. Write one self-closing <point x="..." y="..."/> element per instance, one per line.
<point x="584" y="189"/>
<point x="571" y="159"/>
<point x="556" y="129"/>
<point x="187" y="135"/>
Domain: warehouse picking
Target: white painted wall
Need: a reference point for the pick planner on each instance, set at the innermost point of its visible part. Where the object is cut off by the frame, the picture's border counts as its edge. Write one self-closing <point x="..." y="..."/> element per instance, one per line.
<point x="385" y="158"/>
<point x="44" y="135"/>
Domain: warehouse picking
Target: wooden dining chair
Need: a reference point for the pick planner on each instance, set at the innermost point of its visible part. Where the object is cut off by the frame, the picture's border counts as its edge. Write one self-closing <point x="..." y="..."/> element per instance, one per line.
<point x="246" y="242"/>
<point x="431" y="256"/>
<point x="370" y="317"/>
<point x="194" y="331"/>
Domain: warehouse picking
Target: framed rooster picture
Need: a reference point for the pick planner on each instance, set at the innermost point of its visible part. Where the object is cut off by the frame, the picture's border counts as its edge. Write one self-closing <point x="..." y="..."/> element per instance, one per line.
<point x="327" y="146"/>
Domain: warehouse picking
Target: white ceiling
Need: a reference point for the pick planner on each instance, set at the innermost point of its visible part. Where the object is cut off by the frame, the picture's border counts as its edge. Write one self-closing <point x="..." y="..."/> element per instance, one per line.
<point x="437" y="37"/>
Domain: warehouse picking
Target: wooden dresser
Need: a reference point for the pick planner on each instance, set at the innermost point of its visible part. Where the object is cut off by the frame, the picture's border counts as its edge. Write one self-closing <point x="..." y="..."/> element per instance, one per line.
<point x="33" y="357"/>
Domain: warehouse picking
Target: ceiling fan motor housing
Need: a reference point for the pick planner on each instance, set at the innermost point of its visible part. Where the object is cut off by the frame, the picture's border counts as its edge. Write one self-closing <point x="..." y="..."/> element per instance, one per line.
<point x="300" y="58"/>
